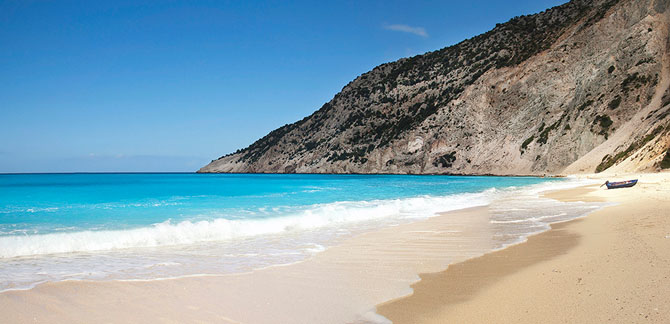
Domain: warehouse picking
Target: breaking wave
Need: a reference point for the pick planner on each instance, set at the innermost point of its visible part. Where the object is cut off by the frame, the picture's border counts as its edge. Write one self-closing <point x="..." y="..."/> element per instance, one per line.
<point x="221" y="229"/>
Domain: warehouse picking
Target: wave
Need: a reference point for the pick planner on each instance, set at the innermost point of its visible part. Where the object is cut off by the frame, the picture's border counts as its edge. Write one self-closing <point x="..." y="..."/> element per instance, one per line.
<point x="337" y="214"/>
<point x="528" y="219"/>
<point x="11" y="209"/>
<point x="221" y="229"/>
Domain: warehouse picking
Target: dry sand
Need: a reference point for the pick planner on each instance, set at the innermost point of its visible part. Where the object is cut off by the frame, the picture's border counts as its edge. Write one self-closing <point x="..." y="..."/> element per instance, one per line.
<point x="612" y="266"/>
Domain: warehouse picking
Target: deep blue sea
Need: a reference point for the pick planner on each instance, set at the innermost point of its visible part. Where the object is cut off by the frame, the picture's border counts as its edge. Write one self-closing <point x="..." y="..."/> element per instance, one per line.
<point x="140" y="226"/>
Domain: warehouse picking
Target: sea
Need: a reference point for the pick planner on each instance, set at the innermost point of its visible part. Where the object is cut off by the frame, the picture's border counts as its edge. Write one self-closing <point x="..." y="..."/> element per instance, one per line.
<point x="152" y="226"/>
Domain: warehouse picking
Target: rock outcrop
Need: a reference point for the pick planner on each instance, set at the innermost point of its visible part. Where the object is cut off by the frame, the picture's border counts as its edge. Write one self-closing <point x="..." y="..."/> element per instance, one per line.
<point x="580" y="87"/>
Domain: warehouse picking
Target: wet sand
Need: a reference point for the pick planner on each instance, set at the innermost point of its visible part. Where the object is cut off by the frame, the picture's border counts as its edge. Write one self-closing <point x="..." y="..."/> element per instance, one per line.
<point x="612" y="266"/>
<point x="340" y="285"/>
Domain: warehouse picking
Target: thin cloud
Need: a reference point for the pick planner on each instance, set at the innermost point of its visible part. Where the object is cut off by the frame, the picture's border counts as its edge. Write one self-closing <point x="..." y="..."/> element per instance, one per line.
<point x="419" y="31"/>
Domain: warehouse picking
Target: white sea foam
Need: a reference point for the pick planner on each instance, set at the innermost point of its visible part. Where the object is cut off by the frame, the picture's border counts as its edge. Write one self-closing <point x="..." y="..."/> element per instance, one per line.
<point x="221" y="229"/>
<point x="239" y="244"/>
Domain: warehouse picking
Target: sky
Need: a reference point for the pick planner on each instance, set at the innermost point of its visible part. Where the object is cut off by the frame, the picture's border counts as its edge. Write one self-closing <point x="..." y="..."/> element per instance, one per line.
<point x="167" y="86"/>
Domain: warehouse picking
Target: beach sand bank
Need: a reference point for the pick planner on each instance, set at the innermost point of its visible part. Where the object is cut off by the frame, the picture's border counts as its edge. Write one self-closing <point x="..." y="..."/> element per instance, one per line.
<point x="340" y="285"/>
<point x="612" y="266"/>
<point x="614" y="263"/>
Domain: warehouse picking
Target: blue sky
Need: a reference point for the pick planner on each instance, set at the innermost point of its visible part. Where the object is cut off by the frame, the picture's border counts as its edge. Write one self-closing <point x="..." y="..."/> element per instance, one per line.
<point x="170" y="85"/>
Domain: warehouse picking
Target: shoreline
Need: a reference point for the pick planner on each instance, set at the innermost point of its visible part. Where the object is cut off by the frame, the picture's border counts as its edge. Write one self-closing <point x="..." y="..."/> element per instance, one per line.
<point x="264" y="295"/>
<point x="239" y="247"/>
<point x="435" y="290"/>
<point x="301" y="281"/>
<point x="583" y="270"/>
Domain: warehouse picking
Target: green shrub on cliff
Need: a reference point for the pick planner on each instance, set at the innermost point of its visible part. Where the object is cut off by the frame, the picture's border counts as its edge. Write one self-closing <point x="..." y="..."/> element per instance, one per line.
<point x="665" y="163"/>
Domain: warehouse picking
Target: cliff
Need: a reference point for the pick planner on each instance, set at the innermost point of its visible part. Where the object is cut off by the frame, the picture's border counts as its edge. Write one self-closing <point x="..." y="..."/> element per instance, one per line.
<point x="580" y="87"/>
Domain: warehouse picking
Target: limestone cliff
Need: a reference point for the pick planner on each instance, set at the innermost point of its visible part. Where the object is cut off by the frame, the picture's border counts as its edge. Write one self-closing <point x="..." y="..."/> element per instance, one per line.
<point x="575" y="88"/>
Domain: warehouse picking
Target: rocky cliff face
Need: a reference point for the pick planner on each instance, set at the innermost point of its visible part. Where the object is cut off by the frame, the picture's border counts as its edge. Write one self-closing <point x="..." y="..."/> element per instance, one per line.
<point x="579" y="87"/>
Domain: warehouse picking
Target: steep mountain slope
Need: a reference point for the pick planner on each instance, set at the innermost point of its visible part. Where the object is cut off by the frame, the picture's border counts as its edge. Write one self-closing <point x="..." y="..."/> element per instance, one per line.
<point x="579" y="87"/>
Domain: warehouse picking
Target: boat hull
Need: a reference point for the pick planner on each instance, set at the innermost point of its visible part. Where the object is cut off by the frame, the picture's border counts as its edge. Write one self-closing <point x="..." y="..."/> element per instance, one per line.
<point x="621" y="184"/>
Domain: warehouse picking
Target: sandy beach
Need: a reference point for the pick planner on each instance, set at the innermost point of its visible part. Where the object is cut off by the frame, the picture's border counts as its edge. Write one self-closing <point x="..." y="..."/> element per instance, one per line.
<point x="610" y="266"/>
<point x="339" y="285"/>
<point x="328" y="162"/>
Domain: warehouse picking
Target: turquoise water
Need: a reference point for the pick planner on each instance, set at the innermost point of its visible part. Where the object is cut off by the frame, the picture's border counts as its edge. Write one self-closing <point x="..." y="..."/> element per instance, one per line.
<point x="141" y="226"/>
<point x="45" y="203"/>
